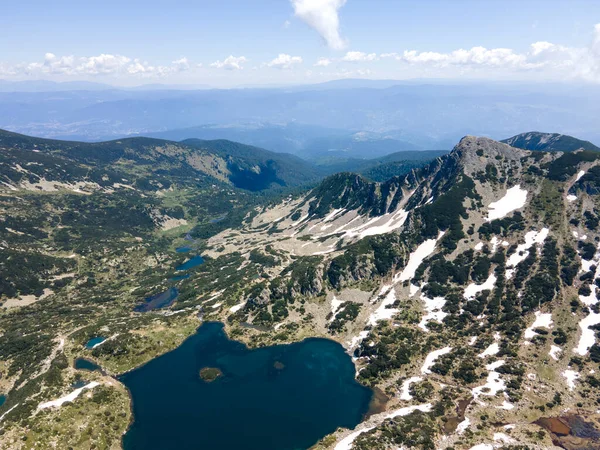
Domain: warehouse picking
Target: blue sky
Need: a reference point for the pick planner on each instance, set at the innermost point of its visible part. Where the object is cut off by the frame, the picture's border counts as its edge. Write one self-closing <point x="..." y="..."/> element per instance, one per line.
<point x="235" y="42"/>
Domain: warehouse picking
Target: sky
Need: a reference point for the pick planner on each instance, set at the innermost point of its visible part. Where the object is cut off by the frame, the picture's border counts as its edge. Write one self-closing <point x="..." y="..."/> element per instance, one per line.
<point x="228" y="43"/>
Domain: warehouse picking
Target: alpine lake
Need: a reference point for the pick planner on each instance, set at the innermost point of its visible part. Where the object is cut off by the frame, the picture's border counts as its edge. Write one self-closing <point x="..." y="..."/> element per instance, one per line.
<point x="215" y="393"/>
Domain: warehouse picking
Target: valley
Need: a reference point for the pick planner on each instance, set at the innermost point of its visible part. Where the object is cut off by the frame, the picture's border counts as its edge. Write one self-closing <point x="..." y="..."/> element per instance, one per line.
<point x="463" y="286"/>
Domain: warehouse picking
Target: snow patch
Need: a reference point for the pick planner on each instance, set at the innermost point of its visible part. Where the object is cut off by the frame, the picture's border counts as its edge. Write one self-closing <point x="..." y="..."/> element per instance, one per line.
<point x="335" y="305"/>
<point x="433" y="306"/>
<point x="352" y="343"/>
<point x="405" y="395"/>
<point x="462" y="427"/>
<point x="473" y="289"/>
<point x="542" y="320"/>
<point x="383" y="312"/>
<point x="416" y="258"/>
<point x="514" y="199"/>
<point x="554" y="352"/>
<point x="346" y="443"/>
<point x="69" y="397"/>
<point x="492" y="350"/>
<point x="237" y="307"/>
<point x="571" y="376"/>
<point x="431" y="357"/>
<point x="494" y="383"/>
<point x="588" y="336"/>
<point x="532" y="237"/>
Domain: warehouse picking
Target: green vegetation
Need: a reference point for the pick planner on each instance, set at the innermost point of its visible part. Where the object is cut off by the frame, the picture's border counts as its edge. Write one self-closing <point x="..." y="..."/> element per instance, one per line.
<point x="210" y="374"/>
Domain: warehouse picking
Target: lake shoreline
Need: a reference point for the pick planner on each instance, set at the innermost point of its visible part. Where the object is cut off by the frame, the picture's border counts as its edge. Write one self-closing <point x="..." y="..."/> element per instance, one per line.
<point x="128" y="377"/>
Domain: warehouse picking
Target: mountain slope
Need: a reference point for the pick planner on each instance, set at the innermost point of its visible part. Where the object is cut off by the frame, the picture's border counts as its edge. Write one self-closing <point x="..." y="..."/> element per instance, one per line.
<point x="152" y="163"/>
<point x="466" y="291"/>
<point x="484" y="261"/>
<point x="549" y="142"/>
<point x="256" y="169"/>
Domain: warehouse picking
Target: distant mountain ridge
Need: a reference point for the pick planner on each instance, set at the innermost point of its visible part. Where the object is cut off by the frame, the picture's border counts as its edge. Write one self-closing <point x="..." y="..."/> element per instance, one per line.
<point x="534" y="140"/>
<point x="151" y="163"/>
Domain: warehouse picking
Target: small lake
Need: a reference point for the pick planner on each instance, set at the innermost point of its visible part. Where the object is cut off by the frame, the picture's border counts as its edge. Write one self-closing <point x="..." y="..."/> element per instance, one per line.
<point x="2" y="399"/>
<point x="283" y="397"/>
<point x="191" y="263"/>
<point x="183" y="249"/>
<point x="86" y="364"/>
<point x="94" y="341"/>
<point x="158" y="301"/>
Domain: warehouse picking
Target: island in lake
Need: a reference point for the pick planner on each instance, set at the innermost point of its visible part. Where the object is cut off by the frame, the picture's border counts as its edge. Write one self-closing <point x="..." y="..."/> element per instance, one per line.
<point x="209" y="374"/>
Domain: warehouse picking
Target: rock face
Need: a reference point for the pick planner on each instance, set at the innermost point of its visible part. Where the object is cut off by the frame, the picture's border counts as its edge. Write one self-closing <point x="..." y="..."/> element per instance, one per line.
<point x="496" y="238"/>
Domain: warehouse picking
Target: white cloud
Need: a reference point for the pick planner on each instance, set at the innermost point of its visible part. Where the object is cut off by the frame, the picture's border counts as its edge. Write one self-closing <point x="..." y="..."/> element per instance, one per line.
<point x="231" y="63"/>
<point x="181" y="64"/>
<point x="323" y="62"/>
<point x="556" y="60"/>
<point x="359" y="57"/>
<point x="284" y="61"/>
<point x="103" y="64"/>
<point x="323" y="17"/>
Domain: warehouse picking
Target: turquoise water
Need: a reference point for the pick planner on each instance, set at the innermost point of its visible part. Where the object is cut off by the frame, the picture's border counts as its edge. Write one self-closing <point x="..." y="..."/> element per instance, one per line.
<point x="94" y="341"/>
<point x="284" y="397"/>
<point x="2" y="399"/>
<point x="86" y="364"/>
<point x="191" y="263"/>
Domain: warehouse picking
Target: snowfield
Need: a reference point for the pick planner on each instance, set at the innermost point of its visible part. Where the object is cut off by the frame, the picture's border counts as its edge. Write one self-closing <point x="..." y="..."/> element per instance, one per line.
<point x="69" y="397"/>
<point x="514" y="199"/>
<point x="416" y="258"/>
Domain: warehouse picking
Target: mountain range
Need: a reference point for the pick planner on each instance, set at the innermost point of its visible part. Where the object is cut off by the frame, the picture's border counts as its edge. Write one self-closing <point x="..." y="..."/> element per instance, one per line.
<point x="465" y="286"/>
<point x="425" y="114"/>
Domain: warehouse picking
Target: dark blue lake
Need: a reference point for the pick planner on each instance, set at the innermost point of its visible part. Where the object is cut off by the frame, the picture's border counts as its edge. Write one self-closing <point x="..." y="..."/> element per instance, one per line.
<point x="191" y="263"/>
<point x="158" y="301"/>
<point x="284" y="397"/>
<point x="94" y="341"/>
<point x="86" y="364"/>
<point x="2" y="399"/>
